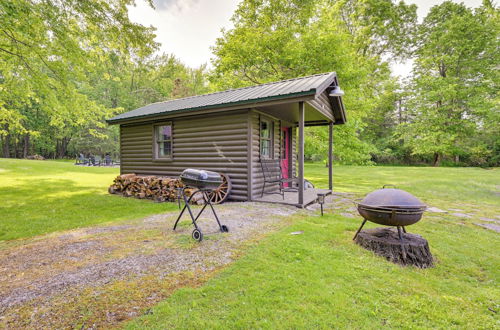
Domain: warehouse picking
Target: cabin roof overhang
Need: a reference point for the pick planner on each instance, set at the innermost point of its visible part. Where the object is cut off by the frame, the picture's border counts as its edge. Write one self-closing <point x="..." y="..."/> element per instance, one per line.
<point x="287" y="91"/>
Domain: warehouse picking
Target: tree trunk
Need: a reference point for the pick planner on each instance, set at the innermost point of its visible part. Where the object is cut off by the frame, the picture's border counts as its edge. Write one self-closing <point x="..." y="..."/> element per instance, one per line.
<point x="58" y="147"/>
<point x="400" y="114"/>
<point x="26" y="146"/>
<point x="6" y="146"/>
<point x="437" y="159"/>
<point x="17" y="153"/>
<point x="413" y="250"/>
<point x="62" y="147"/>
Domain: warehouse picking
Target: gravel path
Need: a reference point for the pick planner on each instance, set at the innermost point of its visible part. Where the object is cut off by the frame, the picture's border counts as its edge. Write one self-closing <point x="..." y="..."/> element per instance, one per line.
<point x="54" y="280"/>
<point x="38" y="269"/>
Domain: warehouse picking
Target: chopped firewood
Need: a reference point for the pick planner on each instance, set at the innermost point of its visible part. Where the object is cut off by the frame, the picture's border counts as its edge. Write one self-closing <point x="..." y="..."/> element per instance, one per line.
<point x="157" y="188"/>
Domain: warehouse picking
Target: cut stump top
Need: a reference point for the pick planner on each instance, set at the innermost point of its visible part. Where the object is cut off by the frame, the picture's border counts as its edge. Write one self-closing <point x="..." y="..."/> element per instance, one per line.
<point x="385" y="242"/>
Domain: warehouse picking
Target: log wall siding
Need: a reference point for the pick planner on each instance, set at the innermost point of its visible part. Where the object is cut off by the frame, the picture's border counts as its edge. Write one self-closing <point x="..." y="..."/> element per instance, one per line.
<point x="211" y="142"/>
<point x="294" y="151"/>
<point x="322" y="104"/>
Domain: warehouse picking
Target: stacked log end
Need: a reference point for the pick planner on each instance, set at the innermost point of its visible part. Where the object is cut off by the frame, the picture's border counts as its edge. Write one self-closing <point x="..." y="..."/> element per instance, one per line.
<point x="157" y="188"/>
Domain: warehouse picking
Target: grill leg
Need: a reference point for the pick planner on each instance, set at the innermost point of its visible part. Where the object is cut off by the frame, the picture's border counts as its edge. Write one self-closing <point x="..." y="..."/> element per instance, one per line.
<point x="179" y="192"/>
<point x="198" y="215"/>
<point x="359" y="229"/>
<point x="193" y="219"/>
<point x="400" y="234"/>
<point x="263" y="187"/>
<point x="179" y="217"/>
<point x="186" y="206"/>
<point x="403" y="248"/>
<point x="207" y="202"/>
<point x="404" y="229"/>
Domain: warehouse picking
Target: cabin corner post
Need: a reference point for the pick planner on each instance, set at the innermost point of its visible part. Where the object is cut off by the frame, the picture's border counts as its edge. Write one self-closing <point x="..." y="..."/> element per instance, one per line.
<point x="250" y="159"/>
<point x="330" y="156"/>
<point x="121" y="148"/>
<point x="301" y="154"/>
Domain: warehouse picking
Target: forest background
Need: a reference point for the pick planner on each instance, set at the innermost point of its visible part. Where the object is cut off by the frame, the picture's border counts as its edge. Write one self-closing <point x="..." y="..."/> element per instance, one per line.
<point x="67" y="65"/>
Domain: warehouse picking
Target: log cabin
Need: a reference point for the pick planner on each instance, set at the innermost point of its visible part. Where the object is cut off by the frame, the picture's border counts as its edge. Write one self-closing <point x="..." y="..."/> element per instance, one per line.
<point x="231" y="131"/>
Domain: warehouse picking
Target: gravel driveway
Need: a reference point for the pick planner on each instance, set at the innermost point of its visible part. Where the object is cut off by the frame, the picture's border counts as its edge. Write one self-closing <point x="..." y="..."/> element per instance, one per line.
<point x="40" y="277"/>
<point x="100" y="276"/>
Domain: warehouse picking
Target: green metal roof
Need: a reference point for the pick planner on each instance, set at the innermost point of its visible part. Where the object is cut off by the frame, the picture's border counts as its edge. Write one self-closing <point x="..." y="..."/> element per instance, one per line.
<point x="309" y="85"/>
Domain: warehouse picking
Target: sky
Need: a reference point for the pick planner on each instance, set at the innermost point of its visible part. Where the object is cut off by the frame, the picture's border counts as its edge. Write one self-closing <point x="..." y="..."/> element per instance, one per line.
<point x="188" y="28"/>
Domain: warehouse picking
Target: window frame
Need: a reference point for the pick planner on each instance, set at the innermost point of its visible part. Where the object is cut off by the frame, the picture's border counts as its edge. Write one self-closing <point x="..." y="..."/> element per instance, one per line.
<point x="270" y="138"/>
<point x="157" y="141"/>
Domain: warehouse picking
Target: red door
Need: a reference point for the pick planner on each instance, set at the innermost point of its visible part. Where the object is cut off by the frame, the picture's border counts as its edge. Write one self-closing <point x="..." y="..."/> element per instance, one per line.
<point x="285" y="152"/>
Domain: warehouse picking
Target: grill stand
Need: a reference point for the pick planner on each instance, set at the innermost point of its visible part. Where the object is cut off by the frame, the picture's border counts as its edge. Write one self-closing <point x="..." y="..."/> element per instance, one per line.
<point x="359" y="229"/>
<point x="400" y="234"/>
<point x="197" y="234"/>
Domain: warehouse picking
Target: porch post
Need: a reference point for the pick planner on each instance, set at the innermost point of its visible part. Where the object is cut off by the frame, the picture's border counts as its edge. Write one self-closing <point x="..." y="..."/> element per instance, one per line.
<point x="301" y="153"/>
<point x="330" y="156"/>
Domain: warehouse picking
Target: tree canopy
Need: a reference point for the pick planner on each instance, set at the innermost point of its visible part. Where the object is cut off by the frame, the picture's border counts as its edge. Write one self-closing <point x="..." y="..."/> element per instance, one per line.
<point x="297" y="38"/>
<point x="454" y="101"/>
<point x="67" y="65"/>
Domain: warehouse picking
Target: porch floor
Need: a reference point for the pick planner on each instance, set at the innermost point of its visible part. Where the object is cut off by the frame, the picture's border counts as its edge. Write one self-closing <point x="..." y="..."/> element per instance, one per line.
<point x="292" y="197"/>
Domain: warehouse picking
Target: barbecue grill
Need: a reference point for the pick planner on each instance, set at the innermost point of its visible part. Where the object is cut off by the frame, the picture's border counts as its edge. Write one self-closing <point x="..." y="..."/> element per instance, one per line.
<point x="391" y="207"/>
<point x="200" y="179"/>
<point x="204" y="182"/>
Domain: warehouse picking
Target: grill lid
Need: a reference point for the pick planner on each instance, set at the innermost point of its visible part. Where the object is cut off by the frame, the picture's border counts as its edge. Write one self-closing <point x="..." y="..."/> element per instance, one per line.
<point x="201" y="178"/>
<point x="392" y="198"/>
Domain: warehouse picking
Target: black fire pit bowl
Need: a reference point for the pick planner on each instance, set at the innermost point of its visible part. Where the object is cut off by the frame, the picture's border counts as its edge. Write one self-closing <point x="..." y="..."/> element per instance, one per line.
<point x="391" y="207"/>
<point x="391" y="217"/>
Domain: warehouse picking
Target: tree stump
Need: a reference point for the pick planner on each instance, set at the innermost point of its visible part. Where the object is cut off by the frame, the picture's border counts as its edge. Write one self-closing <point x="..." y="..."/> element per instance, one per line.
<point x="385" y="242"/>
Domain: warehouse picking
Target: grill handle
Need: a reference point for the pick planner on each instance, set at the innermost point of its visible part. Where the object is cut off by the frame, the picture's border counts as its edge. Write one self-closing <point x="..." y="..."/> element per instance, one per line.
<point x="356" y="201"/>
<point x="388" y="185"/>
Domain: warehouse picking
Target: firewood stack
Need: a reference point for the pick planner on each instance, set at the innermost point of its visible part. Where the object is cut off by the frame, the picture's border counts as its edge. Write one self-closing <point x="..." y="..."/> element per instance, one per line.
<point x="157" y="188"/>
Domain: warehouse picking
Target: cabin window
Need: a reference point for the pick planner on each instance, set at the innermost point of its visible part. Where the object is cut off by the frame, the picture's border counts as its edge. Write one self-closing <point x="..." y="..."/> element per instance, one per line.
<point x="266" y="141"/>
<point x="163" y="141"/>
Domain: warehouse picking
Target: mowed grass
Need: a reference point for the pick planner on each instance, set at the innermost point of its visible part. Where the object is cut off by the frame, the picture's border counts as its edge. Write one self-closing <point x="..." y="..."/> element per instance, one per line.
<point x="447" y="187"/>
<point x="321" y="279"/>
<point x="39" y="197"/>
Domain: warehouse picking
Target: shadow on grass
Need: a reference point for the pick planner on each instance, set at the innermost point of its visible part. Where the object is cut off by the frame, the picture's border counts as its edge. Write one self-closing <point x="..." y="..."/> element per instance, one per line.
<point x="46" y="205"/>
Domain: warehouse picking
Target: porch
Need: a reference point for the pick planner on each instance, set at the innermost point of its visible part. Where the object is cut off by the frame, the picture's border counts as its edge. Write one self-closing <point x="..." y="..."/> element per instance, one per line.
<point x="290" y="150"/>
<point x="310" y="196"/>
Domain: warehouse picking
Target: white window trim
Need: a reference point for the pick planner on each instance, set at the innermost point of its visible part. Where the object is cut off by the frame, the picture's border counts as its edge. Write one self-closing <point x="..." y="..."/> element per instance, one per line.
<point x="156" y="155"/>
<point x="270" y="139"/>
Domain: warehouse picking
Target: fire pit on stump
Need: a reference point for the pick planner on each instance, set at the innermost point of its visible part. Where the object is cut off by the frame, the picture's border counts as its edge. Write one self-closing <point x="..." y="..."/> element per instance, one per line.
<point x="397" y="208"/>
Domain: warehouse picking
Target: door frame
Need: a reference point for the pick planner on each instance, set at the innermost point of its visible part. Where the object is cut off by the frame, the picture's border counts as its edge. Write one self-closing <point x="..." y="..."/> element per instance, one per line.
<point x="288" y="134"/>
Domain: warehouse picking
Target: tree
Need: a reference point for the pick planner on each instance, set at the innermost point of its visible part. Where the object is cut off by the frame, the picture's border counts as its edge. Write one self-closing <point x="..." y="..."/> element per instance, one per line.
<point x="454" y="89"/>
<point x="47" y="51"/>
<point x="297" y="38"/>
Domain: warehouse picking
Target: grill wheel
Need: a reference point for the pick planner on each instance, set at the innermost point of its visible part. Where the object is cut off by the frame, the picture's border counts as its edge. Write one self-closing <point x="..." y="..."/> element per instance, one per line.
<point x="197" y="235"/>
<point x="220" y="194"/>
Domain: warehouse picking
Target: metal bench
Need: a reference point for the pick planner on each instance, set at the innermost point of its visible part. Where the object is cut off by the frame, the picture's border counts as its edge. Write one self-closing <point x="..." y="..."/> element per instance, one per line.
<point x="272" y="172"/>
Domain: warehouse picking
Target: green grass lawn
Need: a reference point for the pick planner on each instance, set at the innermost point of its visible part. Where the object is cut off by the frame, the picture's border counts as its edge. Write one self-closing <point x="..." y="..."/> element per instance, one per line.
<point x="40" y="197"/>
<point x="321" y="279"/>
<point x="448" y="187"/>
<point x="44" y="196"/>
